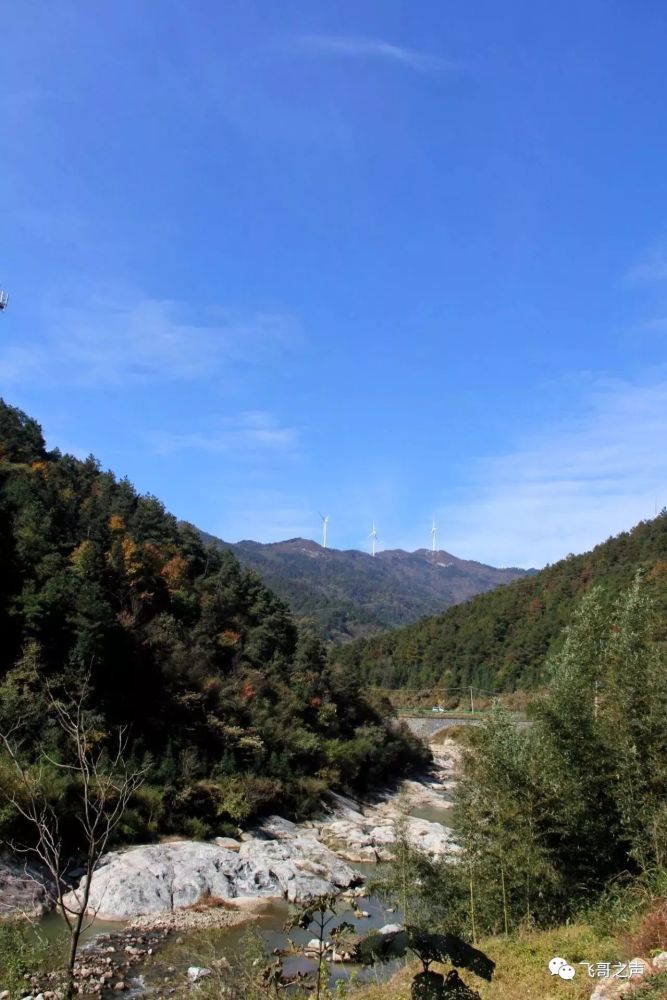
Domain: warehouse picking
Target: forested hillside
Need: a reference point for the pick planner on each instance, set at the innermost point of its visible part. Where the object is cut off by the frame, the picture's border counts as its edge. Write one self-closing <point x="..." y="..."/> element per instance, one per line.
<point x="234" y="709"/>
<point x="499" y="641"/>
<point x="348" y="594"/>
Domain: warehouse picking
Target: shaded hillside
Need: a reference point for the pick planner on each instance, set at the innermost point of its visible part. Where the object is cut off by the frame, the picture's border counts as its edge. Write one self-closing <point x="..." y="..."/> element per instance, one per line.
<point x="498" y="641"/>
<point x="350" y="593"/>
<point x="233" y="707"/>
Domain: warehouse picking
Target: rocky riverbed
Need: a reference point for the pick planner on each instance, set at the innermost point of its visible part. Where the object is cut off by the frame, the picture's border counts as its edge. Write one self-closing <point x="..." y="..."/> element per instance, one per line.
<point x="193" y="886"/>
<point x="25" y="888"/>
<point x="278" y="859"/>
<point x="365" y="832"/>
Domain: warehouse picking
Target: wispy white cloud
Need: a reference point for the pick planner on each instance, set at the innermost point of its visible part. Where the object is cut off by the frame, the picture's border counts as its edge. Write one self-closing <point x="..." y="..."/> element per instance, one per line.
<point x="250" y="432"/>
<point x="107" y="342"/>
<point x="652" y="267"/>
<point x="569" y="486"/>
<point x="370" y="48"/>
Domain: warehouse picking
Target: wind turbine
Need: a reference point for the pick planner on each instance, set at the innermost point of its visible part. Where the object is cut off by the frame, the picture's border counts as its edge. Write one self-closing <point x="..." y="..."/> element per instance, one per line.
<point x="433" y="534"/>
<point x="4" y="299"/>
<point x="325" y="523"/>
<point x="373" y="535"/>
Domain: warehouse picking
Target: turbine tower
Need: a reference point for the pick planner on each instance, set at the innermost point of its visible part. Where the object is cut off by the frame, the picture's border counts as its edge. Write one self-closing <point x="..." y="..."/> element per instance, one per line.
<point x="433" y="534"/>
<point x="325" y="523"/>
<point x="373" y="535"/>
<point x="4" y="299"/>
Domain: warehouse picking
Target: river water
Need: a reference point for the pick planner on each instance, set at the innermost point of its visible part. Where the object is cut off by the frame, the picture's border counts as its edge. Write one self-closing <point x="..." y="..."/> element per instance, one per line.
<point x="200" y="948"/>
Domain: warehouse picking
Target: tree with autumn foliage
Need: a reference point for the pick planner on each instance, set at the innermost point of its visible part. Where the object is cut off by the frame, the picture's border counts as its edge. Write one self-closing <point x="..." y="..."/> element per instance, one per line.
<point x="235" y="708"/>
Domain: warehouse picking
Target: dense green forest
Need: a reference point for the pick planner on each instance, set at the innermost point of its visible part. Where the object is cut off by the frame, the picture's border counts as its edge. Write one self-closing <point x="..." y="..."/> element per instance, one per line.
<point x="234" y="708"/>
<point x="500" y="640"/>
<point x="552" y="813"/>
<point x="348" y="594"/>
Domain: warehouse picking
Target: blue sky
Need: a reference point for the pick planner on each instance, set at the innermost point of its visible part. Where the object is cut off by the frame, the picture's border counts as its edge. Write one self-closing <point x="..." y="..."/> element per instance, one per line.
<point x="377" y="259"/>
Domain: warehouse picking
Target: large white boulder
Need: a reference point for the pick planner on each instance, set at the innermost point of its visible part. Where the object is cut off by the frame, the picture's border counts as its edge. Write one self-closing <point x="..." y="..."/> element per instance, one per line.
<point x="303" y="867"/>
<point x="161" y="878"/>
<point x="372" y="836"/>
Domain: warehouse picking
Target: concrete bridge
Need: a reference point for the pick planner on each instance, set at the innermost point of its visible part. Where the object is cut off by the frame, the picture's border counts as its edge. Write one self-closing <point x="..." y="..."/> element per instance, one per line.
<point x="426" y="726"/>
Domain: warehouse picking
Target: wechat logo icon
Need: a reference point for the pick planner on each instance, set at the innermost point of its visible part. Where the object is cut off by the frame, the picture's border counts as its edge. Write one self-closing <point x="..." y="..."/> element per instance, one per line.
<point x="559" y="967"/>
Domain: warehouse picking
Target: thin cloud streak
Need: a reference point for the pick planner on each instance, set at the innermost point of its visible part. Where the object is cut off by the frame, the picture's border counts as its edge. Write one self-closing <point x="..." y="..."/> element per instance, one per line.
<point x="251" y="432"/>
<point x="106" y="343"/>
<point x="569" y="487"/>
<point x="652" y="268"/>
<point x="371" y="48"/>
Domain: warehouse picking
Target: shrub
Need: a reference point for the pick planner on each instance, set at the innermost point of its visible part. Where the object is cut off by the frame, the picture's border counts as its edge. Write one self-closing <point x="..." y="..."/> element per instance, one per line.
<point x="651" y="934"/>
<point x="22" y="950"/>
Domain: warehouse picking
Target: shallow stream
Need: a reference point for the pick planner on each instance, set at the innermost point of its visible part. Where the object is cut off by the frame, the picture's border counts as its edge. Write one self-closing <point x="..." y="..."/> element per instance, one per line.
<point x="200" y="948"/>
<point x="168" y="966"/>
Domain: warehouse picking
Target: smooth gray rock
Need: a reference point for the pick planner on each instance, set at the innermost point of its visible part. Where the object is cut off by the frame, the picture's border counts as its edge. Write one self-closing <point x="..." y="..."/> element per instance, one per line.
<point x="303" y="867"/>
<point x="25" y="889"/>
<point x="161" y="878"/>
<point x="228" y="843"/>
<point x="371" y="837"/>
<point x="278" y="828"/>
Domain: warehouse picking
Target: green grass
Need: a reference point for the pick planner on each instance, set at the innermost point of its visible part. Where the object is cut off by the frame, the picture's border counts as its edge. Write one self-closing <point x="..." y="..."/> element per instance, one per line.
<point x="655" y="988"/>
<point x="522" y="967"/>
<point x="23" y="950"/>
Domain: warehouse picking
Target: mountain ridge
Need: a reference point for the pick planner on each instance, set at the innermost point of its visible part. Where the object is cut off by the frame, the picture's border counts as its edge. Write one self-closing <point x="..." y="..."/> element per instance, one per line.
<point x="500" y="640"/>
<point x="311" y="544"/>
<point x="109" y="604"/>
<point x="348" y="593"/>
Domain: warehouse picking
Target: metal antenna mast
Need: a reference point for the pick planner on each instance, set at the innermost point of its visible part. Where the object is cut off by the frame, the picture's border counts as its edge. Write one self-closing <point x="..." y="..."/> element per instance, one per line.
<point x="325" y="523"/>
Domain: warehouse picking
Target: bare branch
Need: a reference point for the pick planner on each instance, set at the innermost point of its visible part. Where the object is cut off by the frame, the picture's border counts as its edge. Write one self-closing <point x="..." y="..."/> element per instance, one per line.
<point x="106" y="785"/>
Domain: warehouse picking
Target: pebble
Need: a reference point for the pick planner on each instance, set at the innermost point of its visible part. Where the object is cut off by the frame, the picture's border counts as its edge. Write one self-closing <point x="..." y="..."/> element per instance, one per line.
<point x="197" y="972"/>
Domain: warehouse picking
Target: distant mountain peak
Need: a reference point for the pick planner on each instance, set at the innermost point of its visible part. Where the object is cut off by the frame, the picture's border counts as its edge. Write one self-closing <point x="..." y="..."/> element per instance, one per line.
<point x="349" y="593"/>
<point x="501" y="640"/>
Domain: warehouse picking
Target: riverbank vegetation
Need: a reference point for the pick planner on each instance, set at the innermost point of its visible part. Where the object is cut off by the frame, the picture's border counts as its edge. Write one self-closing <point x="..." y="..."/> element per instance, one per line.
<point x="549" y="813"/>
<point x="230" y="709"/>
<point x="24" y="953"/>
<point x="563" y="823"/>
